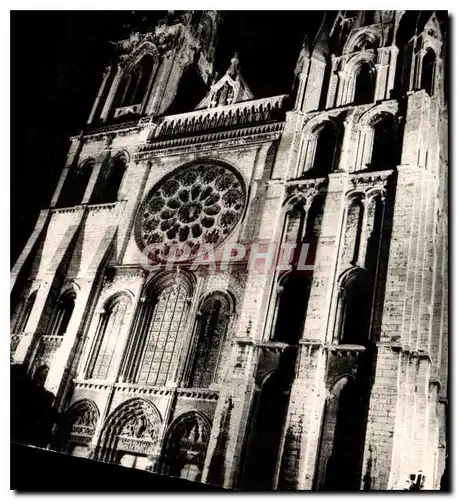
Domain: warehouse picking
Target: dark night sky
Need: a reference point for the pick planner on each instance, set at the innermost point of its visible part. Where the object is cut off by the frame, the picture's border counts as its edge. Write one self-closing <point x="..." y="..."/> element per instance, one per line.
<point x="57" y="58"/>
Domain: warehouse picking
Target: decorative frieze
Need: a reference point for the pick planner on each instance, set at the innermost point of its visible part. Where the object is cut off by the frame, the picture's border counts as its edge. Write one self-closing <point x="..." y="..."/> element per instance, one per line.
<point x="269" y="132"/>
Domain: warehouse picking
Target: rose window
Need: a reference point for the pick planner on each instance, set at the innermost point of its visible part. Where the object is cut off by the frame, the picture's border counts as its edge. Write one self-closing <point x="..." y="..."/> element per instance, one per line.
<point x="199" y="205"/>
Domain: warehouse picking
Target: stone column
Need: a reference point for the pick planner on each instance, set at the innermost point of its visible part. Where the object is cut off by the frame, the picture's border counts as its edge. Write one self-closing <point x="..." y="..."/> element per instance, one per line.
<point x="106" y="75"/>
<point x="333" y="84"/>
<point x="393" y="57"/>
<point x="303" y="423"/>
<point x="104" y="115"/>
<point x="347" y="147"/>
<point x="342" y="87"/>
<point x="164" y="69"/>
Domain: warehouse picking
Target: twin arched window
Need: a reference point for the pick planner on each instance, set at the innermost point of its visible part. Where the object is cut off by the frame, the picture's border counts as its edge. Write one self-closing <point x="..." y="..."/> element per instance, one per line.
<point x="224" y="95"/>
<point x="361" y="248"/>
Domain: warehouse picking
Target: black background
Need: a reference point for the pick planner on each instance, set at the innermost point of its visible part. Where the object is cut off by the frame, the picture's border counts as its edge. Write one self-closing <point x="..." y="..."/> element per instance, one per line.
<point x="34" y="469"/>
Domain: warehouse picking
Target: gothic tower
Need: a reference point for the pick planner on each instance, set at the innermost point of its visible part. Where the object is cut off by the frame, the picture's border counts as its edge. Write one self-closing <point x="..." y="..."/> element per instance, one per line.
<point x="329" y="376"/>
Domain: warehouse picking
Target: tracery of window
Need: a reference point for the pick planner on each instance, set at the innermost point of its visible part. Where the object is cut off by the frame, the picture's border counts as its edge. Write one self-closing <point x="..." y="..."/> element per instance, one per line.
<point x="135" y="84"/>
<point x="200" y="204"/>
<point x="211" y="331"/>
<point x="62" y="314"/>
<point x="164" y="323"/>
<point x="109" y="330"/>
<point x="427" y="71"/>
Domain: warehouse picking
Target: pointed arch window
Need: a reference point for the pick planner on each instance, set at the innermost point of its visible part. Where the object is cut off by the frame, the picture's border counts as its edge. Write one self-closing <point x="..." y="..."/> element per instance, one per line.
<point x="62" y="314"/>
<point x="111" y="322"/>
<point x="355" y="307"/>
<point x="293" y="298"/>
<point x="364" y="84"/>
<point x="428" y="71"/>
<point x="325" y="151"/>
<point x="157" y="349"/>
<point x="295" y="223"/>
<point x="211" y="331"/>
<point x="75" y="184"/>
<point x="384" y="144"/>
<point x="109" y="190"/>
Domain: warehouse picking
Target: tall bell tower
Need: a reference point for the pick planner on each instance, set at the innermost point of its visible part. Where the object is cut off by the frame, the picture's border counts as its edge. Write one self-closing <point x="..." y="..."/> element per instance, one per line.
<point x="368" y="132"/>
<point x="143" y="76"/>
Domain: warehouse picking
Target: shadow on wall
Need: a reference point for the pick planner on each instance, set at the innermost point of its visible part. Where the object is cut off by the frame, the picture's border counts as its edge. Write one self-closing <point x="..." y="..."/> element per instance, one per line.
<point x="31" y="409"/>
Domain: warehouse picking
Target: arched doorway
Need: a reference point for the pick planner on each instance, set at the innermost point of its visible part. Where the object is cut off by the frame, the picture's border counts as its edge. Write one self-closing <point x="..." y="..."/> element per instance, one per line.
<point x="130" y="435"/>
<point x="78" y="428"/>
<point x="185" y="446"/>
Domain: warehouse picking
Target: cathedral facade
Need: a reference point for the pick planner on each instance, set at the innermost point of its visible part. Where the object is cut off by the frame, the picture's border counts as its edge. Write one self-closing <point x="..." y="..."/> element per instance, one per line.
<point x="248" y="377"/>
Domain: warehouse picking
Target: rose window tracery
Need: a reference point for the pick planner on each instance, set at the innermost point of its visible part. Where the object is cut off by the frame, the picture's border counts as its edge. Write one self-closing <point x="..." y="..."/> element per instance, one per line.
<point x="199" y="205"/>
